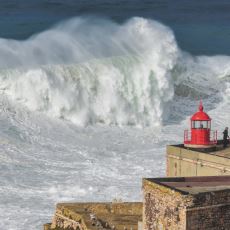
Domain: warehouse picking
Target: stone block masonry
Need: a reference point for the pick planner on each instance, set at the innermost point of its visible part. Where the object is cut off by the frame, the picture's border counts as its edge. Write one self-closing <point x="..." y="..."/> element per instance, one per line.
<point x="96" y="216"/>
<point x="191" y="203"/>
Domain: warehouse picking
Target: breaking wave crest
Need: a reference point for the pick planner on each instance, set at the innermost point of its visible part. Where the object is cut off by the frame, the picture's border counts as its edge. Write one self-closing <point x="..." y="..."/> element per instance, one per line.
<point x="89" y="71"/>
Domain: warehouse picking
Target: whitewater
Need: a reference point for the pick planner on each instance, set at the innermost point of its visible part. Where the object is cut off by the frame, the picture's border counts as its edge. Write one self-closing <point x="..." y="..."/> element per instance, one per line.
<point x="87" y="108"/>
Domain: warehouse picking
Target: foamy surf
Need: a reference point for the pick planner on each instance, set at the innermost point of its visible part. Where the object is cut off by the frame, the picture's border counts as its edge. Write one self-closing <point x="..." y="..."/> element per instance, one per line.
<point x="86" y="110"/>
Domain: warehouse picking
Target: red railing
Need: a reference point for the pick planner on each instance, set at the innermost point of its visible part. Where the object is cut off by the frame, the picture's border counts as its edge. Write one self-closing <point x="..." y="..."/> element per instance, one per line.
<point x="188" y="139"/>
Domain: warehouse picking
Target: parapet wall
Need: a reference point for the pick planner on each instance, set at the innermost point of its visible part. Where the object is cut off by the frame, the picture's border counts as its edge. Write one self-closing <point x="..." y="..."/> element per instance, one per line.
<point x="97" y="216"/>
<point x="185" y="162"/>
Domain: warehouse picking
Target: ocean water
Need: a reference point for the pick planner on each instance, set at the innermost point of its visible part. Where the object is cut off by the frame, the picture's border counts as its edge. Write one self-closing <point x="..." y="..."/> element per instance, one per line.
<point x="91" y="93"/>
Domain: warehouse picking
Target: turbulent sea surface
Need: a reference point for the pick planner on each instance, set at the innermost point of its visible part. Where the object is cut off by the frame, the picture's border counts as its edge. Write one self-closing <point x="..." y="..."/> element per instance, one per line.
<point x="87" y="107"/>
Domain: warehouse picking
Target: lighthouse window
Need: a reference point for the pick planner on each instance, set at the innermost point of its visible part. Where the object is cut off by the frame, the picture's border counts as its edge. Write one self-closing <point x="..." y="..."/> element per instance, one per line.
<point x="200" y="124"/>
<point x="204" y="124"/>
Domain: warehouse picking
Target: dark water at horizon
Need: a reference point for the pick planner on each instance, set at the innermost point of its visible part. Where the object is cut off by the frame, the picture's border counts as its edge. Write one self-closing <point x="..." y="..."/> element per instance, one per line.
<point x="200" y="27"/>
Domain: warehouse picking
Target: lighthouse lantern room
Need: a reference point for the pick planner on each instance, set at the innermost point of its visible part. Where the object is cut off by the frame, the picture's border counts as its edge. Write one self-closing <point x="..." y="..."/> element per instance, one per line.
<point x="200" y="135"/>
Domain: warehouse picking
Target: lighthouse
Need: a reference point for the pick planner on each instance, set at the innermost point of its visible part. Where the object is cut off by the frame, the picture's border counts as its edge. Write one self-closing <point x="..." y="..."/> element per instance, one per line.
<point x="200" y="136"/>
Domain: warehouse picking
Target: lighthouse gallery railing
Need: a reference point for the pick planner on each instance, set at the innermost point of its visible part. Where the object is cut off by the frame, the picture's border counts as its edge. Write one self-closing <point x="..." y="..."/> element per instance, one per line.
<point x="200" y="139"/>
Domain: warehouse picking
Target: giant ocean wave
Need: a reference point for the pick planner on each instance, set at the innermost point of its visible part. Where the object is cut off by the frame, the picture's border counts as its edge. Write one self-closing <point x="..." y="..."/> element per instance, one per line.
<point x="94" y="71"/>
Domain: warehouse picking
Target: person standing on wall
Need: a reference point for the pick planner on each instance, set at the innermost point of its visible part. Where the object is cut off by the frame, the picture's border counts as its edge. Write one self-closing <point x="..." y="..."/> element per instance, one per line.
<point x="225" y="137"/>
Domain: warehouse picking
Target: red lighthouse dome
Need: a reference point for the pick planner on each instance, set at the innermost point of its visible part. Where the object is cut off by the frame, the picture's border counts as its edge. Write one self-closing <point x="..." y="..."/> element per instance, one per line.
<point x="200" y="115"/>
<point x="200" y="135"/>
